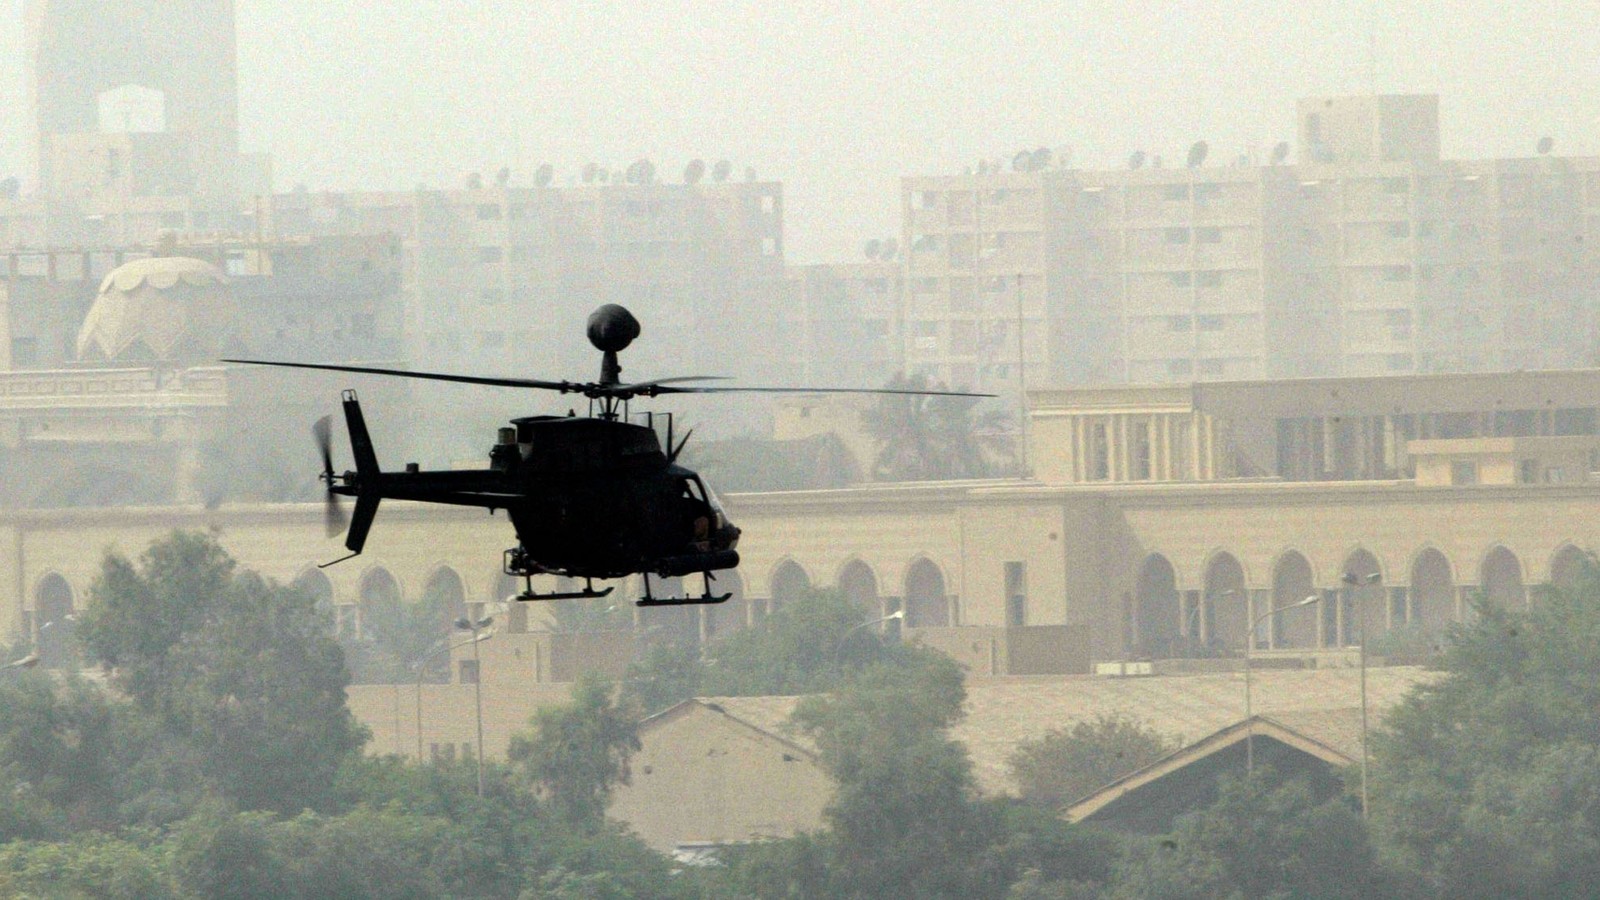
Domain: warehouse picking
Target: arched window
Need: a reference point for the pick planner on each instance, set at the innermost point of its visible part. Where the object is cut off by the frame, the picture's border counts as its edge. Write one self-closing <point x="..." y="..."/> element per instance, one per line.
<point x="1223" y="615"/>
<point x="444" y="596"/>
<point x="1364" y="608"/>
<point x="1291" y="584"/>
<point x="789" y="583"/>
<point x="316" y="585"/>
<point x="860" y="587"/>
<point x="379" y="596"/>
<point x="927" y="604"/>
<point x="1501" y="579"/>
<point x="1433" y="591"/>
<point x="1569" y="567"/>
<point x="54" y="620"/>
<point x="1157" y="617"/>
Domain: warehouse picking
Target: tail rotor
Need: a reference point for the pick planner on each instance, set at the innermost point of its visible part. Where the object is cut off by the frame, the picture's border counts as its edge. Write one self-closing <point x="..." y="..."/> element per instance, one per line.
<point x="334" y="519"/>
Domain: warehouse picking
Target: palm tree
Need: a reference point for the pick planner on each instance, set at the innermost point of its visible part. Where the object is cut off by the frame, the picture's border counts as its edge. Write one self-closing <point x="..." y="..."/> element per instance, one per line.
<point x="923" y="438"/>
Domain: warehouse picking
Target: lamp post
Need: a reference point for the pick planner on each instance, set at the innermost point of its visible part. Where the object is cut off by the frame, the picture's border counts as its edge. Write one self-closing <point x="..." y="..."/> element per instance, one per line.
<point x="421" y="666"/>
<point x="1356" y="582"/>
<point x="467" y="623"/>
<point x="1249" y="715"/>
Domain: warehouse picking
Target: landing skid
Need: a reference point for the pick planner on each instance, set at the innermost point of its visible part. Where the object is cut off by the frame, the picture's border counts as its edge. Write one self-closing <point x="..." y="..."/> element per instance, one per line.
<point x="706" y="598"/>
<point x="516" y="563"/>
<point x="588" y="593"/>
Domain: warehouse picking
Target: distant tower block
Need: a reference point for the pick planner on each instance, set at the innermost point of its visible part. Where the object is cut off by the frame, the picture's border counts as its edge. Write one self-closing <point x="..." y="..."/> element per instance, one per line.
<point x="134" y="97"/>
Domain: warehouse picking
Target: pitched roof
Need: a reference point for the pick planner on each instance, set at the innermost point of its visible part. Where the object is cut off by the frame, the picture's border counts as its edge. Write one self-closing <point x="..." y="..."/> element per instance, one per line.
<point x="1002" y="713"/>
<point x="1332" y="736"/>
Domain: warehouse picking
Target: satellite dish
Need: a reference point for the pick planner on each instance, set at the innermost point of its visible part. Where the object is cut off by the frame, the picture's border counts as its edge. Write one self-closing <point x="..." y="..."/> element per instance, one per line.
<point x="543" y="176"/>
<point x="1022" y="161"/>
<point x="591" y="172"/>
<point x="1546" y="144"/>
<point x="1280" y="153"/>
<point x="1136" y="160"/>
<point x="502" y="177"/>
<point x="721" y="170"/>
<point x="694" y="171"/>
<point x="871" y="248"/>
<point x="475" y="181"/>
<point x="889" y="249"/>
<point x="1197" y="154"/>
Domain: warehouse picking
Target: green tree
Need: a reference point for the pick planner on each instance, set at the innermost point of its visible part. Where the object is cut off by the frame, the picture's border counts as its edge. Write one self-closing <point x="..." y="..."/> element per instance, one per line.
<point x="578" y="752"/>
<point x="237" y="668"/>
<point x="903" y="820"/>
<point x="811" y="645"/>
<point x="1065" y="764"/>
<point x="1487" y="782"/>
<point x="90" y="864"/>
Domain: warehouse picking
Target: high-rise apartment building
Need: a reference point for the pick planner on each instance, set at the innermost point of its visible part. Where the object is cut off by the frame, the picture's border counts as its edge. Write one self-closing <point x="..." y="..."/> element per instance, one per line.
<point x="1369" y="255"/>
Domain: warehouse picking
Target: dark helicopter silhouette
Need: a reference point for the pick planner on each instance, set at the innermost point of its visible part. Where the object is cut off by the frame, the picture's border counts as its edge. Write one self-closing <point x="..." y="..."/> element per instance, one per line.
<point x="589" y="496"/>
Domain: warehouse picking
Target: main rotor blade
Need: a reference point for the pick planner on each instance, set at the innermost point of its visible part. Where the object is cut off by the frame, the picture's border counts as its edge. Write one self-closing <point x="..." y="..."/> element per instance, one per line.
<point x="565" y="387"/>
<point x="805" y="390"/>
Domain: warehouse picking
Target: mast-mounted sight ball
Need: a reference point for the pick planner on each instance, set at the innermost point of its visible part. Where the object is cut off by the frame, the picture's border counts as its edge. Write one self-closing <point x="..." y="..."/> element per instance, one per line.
<point x="612" y="328"/>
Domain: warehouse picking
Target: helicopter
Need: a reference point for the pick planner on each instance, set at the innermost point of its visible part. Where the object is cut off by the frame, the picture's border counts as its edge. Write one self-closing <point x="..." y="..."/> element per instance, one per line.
<point x="590" y="497"/>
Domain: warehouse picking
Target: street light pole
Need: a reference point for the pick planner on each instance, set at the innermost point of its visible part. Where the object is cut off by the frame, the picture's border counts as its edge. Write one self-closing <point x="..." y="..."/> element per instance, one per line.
<point x="420" y="670"/>
<point x="1249" y="715"/>
<point x="1356" y="582"/>
<point x="467" y="623"/>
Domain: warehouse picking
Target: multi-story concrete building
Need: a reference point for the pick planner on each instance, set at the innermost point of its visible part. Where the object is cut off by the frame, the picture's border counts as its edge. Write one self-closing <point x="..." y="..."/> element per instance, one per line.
<point x="1369" y="255"/>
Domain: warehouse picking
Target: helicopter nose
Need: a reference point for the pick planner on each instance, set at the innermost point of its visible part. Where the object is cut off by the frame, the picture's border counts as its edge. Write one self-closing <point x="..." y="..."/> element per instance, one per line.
<point x="727" y="537"/>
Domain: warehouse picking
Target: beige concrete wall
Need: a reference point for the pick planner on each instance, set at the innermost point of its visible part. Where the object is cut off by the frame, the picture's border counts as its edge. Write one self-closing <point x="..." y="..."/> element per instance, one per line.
<point x="702" y="776"/>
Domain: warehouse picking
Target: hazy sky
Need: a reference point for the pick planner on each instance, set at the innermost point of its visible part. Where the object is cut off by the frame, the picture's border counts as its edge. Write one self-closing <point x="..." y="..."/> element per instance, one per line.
<point x="838" y="100"/>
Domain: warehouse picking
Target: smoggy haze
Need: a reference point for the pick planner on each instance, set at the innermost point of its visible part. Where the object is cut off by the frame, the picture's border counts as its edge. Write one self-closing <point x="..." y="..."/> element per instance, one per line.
<point x="838" y="100"/>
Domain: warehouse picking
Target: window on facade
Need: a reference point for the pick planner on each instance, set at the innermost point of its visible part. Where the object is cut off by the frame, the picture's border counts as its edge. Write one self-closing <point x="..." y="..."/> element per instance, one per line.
<point x="1178" y="323"/>
<point x="1208" y="279"/>
<point x="1210" y="323"/>
<point x="1211" y="368"/>
<point x="1397" y="229"/>
<point x="1397" y="185"/>
<point x="487" y="211"/>
<point x="1174" y="193"/>
<point x="1016" y="594"/>
<point x="1180" y="279"/>
<point x="469" y="671"/>
<point x="1396" y="273"/>
<point x="1528" y="471"/>
<point x="1180" y="368"/>
<point x="925" y="285"/>
<point x="1099" y="462"/>
<point x="1139" y="451"/>
<point x="930" y="199"/>
<point x="1175" y="235"/>
<point x="925" y="243"/>
<point x="24" y="351"/>
<point x="1463" y="472"/>
<point x="1398" y="362"/>
<point x="1208" y="235"/>
<point x="490" y="254"/>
